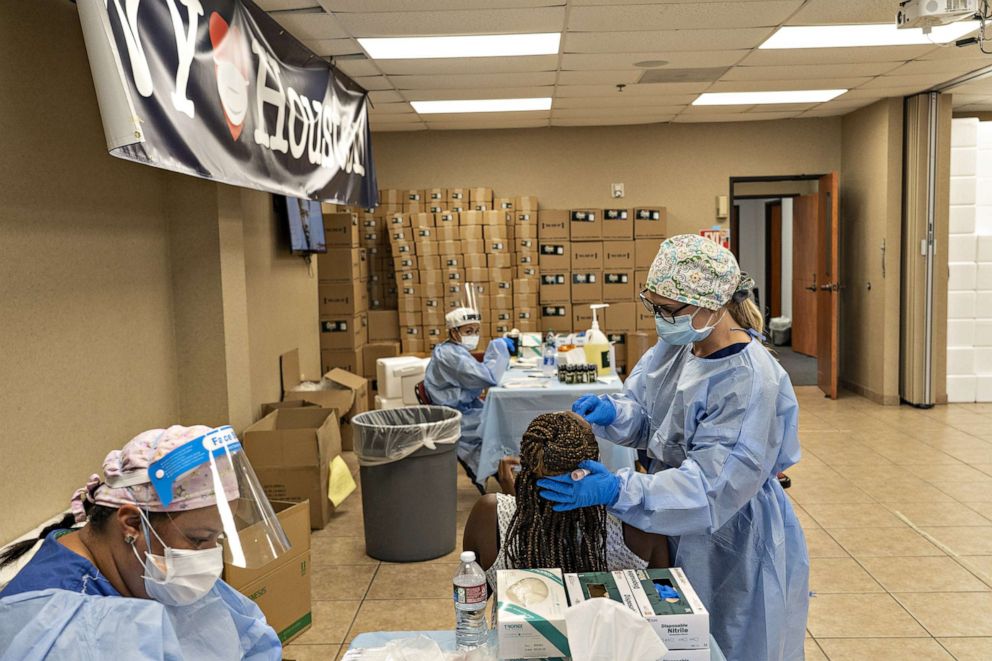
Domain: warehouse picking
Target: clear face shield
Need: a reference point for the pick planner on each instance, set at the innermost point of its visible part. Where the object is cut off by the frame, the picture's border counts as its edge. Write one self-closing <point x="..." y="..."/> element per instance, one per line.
<point x="215" y="467"/>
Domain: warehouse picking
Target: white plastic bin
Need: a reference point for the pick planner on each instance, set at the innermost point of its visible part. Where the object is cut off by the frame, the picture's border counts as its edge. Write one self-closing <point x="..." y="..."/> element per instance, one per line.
<point x="780" y="330"/>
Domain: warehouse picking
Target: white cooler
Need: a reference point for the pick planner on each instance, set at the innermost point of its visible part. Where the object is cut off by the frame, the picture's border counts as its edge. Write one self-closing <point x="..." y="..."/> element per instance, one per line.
<point x="398" y="378"/>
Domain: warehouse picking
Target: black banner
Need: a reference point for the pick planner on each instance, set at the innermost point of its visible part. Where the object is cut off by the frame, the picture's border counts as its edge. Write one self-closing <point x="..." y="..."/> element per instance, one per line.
<point x="198" y="87"/>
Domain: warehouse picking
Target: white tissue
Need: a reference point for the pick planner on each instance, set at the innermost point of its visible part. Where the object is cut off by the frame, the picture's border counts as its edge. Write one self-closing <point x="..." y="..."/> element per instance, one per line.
<point x="604" y="630"/>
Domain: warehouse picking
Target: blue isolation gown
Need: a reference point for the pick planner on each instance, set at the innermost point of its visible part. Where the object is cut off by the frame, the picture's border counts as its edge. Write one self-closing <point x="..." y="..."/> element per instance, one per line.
<point x="718" y="431"/>
<point x="59" y="606"/>
<point x="455" y="379"/>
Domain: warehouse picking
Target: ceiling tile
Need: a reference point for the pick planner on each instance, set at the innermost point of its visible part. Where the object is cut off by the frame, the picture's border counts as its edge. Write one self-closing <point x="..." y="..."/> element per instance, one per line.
<point x="739" y="117"/>
<point x="810" y="71"/>
<point x="490" y="21"/>
<point x="480" y="93"/>
<point x="954" y="53"/>
<point x="326" y="47"/>
<point x="676" y="60"/>
<point x="488" y="125"/>
<point x="968" y="99"/>
<point x="600" y="77"/>
<point x="950" y="67"/>
<point x="806" y="56"/>
<point x="919" y="82"/>
<point x="398" y="127"/>
<point x="660" y="89"/>
<point x="687" y="16"/>
<point x="392" y="108"/>
<point x="826" y="12"/>
<point x="638" y="112"/>
<point x="365" y="6"/>
<point x="307" y="26"/>
<point x="605" y="121"/>
<point x="469" y="65"/>
<point x="406" y="118"/>
<point x="625" y="101"/>
<point x="357" y="68"/>
<point x="385" y="97"/>
<point x="664" y="40"/>
<point x="376" y="83"/>
<point x="981" y="87"/>
<point x="481" y="81"/>
<point x="786" y="85"/>
<point x="879" y="92"/>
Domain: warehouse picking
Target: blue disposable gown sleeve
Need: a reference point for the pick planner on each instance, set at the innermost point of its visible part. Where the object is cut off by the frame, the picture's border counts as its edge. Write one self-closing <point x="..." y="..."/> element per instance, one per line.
<point x="259" y="641"/>
<point x="632" y="426"/>
<point x="458" y="366"/>
<point x="733" y="435"/>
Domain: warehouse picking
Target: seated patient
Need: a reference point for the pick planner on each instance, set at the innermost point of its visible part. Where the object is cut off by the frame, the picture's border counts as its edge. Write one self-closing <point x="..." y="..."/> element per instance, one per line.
<point x="523" y="532"/>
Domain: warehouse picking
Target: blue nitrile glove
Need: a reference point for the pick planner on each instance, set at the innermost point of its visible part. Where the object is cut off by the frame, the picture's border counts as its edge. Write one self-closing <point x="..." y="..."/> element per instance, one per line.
<point x="600" y="487"/>
<point x="596" y="410"/>
<point x="511" y="346"/>
<point x="666" y="591"/>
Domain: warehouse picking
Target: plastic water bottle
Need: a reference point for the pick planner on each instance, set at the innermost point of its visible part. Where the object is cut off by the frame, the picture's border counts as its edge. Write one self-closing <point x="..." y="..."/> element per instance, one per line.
<point x="550" y="356"/>
<point x="471" y="593"/>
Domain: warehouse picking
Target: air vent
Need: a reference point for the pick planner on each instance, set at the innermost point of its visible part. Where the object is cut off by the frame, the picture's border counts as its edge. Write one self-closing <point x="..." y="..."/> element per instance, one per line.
<point x="682" y="75"/>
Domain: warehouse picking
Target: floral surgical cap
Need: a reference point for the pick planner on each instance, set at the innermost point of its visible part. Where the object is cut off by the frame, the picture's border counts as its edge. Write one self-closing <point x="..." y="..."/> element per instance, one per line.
<point x="695" y="270"/>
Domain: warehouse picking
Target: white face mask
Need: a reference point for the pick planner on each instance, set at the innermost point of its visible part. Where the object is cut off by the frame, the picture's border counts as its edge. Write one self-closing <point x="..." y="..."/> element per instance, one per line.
<point x="470" y="342"/>
<point x="180" y="577"/>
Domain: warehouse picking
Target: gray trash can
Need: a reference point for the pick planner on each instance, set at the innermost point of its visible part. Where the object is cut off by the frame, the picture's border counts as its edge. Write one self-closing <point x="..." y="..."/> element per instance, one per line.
<point x="780" y="330"/>
<point x="409" y="475"/>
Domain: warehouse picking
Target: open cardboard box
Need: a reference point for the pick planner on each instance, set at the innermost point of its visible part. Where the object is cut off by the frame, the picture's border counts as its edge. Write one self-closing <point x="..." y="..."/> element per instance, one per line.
<point x="343" y="391"/>
<point x="281" y="588"/>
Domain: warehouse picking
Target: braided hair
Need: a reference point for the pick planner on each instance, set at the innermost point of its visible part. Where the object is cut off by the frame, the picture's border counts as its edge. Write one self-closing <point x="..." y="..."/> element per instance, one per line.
<point x="539" y="537"/>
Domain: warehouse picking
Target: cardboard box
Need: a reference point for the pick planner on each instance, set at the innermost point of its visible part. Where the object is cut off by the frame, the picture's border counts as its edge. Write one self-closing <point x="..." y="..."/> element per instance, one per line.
<point x="383" y="326"/>
<point x="432" y="277"/>
<point x="587" y="287"/>
<point x="436" y="206"/>
<point x="586" y="256"/>
<point x="526" y="229"/>
<point x="499" y="260"/>
<point x="473" y="247"/>
<point x="645" y="319"/>
<point x="526" y="300"/>
<point x="650" y="223"/>
<point x="504" y="203"/>
<point x="581" y="317"/>
<point x="585" y="224"/>
<point x="682" y="624"/>
<point x="426" y="247"/>
<point x="397" y="220"/>
<point x="525" y="272"/>
<point x="496" y="218"/>
<point x="407" y="262"/>
<point x="451" y="261"/>
<point x="411" y="318"/>
<point x="501" y="282"/>
<point x="414" y="196"/>
<point x="341" y="264"/>
<point x="350" y="360"/>
<point x="620" y="317"/>
<point x="645" y="251"/>
<point x="458" y="194"/>
<point x="454" y="275"/>
<point x="527" y="259"/>
<point x="528" y="630"/>
<point x="525" y="244"/>
<point x="501" y="302"/>
<point x="341" y="230"/>
<point x="524" y="286"/>
<point x="433" y="317"/>
<point x="414" y="346"/>
<point x="290" y="451"/>
<point x="555" y="256"/>
<point x="477" y="273"/>
<point x="446" y="248"/>
<point x="448" y="232"/>
<point x="373" y="351"/>
<point x="497" y="233"/>
<point x="390" y="196"/>
<point x="553" y="225"/>
<point x="475" y="261"/>
<point x="415" y="207"/>
<point x="458" y="207"/>
<point x="480" y="195"/>
<point x="436" y="194"/>
<point x="618" y="286"/>
<point x="499" y="247"/>
<point x="446" y="219"/>
<point x="423" y="234"/>
<point x="526" y="314"/>
<point x="555" y="287"/>
<point x="556" y="317"/>
<point x="269" y="407"/>
<point x="525" y="203"/>
<point x="618" y="254"/>
<point x="471" y="232"/>
<point x="618" y="224"/>
<point x="422" y="221"/>
<point x="435" y="334"/>
<point x="640" y="280"/>
<point x="408" y="303"/>
<point x="343" y="331"/>
<point x="281" y="588"/>
<point x="346" y="298"/>
<point x="470" y="218"/>
<point x="403" y="249"/>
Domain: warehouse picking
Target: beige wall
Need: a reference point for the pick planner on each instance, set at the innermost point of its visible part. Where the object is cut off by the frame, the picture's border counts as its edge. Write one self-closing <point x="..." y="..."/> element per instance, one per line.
<point x="681" y="166"/>
<point x="871" y="212"/>
<point x="130" y="298"/>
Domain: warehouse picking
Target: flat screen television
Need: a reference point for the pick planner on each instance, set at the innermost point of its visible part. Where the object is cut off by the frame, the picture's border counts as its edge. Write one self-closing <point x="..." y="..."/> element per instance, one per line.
<point x="306" y="225"/>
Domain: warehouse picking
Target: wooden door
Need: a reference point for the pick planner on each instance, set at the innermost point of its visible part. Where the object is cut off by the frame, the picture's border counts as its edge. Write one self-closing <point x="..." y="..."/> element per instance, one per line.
<point x="828" y="289"/>
<point x="773" y="257"/>
<point x="805" y="231"/>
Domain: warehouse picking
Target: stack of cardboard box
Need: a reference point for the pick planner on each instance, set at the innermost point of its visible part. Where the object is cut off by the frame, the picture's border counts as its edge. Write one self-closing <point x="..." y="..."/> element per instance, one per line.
<point x="343" y="293"/>
<point x="597" y="255"/>
<point x="464" y="237"/>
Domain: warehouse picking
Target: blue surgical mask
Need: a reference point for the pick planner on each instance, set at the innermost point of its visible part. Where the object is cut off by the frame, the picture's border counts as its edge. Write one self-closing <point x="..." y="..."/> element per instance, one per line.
<point x="681" y="332"/>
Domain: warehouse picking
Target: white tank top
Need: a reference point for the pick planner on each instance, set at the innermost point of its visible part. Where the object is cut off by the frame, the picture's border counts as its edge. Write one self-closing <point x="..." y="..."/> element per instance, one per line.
<point x="618" y="555"/>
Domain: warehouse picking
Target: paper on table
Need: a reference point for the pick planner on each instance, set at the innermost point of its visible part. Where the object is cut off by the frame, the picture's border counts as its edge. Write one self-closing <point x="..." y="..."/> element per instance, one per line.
<point x="341" y="484"/>
<point x="528" y="383"/>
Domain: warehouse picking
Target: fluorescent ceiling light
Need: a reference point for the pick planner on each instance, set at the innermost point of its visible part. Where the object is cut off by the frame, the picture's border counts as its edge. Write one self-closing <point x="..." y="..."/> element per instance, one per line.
<point x="756" y="98"/>
<point x="881" y="34"/>
<point x="481" y="105"/>
<point x="487" y="45"/>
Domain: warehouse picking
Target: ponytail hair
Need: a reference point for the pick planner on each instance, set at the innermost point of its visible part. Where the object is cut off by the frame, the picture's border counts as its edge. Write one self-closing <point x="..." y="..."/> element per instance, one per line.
<point x="746" y="313"/>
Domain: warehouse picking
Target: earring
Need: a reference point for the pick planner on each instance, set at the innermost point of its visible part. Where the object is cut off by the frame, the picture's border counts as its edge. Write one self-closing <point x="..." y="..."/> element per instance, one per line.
<point x="129" y="539"/>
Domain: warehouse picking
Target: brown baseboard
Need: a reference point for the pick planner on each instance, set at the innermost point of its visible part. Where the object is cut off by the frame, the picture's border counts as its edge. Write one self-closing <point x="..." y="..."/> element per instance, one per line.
<point x="867" y="393"/>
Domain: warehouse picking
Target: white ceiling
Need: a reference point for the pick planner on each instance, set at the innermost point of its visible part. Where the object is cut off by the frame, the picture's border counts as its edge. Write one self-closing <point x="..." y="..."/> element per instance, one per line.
<point x="602" y="39"/>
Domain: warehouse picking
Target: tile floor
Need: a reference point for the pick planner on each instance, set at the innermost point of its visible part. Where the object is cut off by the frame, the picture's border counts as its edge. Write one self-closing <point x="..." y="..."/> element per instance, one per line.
<point x="897" y="508"/>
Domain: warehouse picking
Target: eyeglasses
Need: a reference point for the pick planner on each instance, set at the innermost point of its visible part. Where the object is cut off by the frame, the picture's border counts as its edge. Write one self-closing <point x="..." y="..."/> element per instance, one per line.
<point x="659" y="311"/>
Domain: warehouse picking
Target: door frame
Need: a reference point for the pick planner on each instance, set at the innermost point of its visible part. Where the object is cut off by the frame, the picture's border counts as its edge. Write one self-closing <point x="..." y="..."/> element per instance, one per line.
<point x="773" y="259"/>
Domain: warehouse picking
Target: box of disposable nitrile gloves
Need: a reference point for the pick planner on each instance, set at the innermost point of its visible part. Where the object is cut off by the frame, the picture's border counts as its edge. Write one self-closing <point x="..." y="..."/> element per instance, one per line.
<point x="663" y="597"/>
<point x="530" y="614"/>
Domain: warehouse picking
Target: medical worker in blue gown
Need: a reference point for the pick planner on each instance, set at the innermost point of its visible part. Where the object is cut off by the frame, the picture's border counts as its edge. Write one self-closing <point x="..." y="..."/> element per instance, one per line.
<point x="454" y="378"/>
<point x="133" y="571"/>
<point x="717" y="417"/>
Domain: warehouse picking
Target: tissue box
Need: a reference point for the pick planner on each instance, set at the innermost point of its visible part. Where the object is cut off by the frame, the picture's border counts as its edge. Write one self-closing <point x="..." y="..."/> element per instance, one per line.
<point x="684" y="625"/>
<point x="530" y="614"/>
